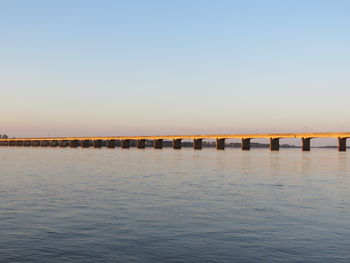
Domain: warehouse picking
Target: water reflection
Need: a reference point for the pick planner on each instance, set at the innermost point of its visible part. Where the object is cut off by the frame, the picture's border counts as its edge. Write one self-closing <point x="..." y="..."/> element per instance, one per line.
<point x="166" y="206"/>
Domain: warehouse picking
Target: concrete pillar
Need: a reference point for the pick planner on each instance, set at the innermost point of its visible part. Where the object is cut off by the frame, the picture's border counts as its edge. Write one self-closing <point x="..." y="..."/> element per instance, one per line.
<point x="44" y="143"/>
<point x="111" y="144"/>
<point x="19" y="143"/>
<point x="97" y="143"/>
<point x="176" y="144"/>
<point x="342" y="144"/>
<point x="125" y="144"/>
<point x="74" y="143"/>
<point x="220" y="144"/>
<point x="274" y="144"/>
<point x="158" y="143"/>
<point x="245" y="144"/>
<point x="12" y="143"/>
<point x="306" y="145"/>
<point x="6" y="143"/>
<point x="197" y="144"/>
<point x="141" y="144"/>
<point x="85" y="143"/>
<point x="36" y="143"/>
<point x="54" y="143"/>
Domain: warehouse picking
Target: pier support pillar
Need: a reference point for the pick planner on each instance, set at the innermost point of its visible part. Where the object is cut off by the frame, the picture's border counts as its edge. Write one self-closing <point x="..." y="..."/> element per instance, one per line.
<point x="197" y="144"/>
<point x="97" y="143"/>
<point x="158" y="143"/>
<point x="85" y="143"/>
<point x="74" y="143"/>
<point x="36" y="143"/>
<point x="220" y="144"/>
<point x="125" y="144"/>
<point x="141" y="144"/>
<point x="306" y="145"/>
<point x="342" y="144"/>
<point x="245" y="144"/>
<point x="111" y="144"/>
<point x="176" y="144"/>
<point x="12" y="143"/>
<point x="274" y="144"/>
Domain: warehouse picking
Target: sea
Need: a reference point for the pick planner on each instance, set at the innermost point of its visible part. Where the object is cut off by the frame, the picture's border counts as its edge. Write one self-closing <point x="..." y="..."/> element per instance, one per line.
<point x="132" y="205"/>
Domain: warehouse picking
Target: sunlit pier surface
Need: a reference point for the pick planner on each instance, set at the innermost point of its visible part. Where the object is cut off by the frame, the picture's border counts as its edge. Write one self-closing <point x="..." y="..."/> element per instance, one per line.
<point x="124" y="141"/>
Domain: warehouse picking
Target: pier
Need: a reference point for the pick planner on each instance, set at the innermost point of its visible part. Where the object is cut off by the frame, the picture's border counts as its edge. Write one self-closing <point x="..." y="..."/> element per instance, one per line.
<point x="124" y="141"/>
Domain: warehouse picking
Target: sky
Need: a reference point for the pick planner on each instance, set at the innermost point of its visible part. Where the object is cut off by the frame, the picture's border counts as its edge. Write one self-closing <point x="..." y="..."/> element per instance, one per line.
<point x="99" y="68"/>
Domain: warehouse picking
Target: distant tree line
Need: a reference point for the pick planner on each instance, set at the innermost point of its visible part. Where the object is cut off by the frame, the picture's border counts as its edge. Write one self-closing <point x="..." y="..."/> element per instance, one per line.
<point x="3" y="136"/>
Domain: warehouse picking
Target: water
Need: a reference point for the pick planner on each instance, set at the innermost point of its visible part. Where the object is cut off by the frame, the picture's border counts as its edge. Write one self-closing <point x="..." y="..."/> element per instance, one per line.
<point x="89" y="205"/>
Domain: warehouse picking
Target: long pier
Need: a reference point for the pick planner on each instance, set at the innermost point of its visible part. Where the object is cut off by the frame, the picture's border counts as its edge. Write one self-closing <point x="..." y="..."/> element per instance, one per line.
<point x="124" y="141"/>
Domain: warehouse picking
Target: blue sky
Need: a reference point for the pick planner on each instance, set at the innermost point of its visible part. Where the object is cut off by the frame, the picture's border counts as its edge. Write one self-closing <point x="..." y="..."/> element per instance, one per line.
<point x="170" y="67"/>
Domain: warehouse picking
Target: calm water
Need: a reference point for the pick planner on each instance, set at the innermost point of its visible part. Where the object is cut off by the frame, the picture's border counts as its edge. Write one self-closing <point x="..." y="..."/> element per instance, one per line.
<point x="88" y="205"/>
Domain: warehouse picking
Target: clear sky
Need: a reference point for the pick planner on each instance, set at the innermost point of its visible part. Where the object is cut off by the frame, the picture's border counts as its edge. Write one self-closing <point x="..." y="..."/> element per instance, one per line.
<point x="172" y="67"/>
